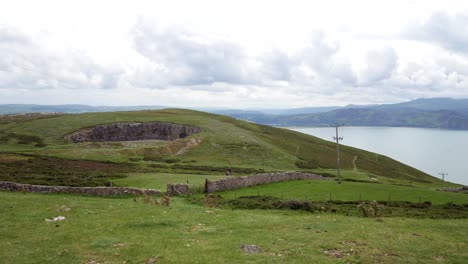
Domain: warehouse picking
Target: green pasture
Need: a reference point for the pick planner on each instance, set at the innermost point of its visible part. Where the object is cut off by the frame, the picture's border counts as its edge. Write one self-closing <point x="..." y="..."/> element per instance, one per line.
<point x="126" y="230"/>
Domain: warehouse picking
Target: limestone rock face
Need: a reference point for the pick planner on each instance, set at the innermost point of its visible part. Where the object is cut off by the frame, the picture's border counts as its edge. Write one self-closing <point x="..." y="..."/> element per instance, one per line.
<point x="133" y="131"/>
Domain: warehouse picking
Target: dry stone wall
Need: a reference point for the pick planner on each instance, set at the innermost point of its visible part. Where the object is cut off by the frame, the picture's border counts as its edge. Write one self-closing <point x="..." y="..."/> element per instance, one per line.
<point x="98" y="191"/>
<point x="133" y="131"/>
<point x="177" y="189"/>
<point x="263" y="178"/>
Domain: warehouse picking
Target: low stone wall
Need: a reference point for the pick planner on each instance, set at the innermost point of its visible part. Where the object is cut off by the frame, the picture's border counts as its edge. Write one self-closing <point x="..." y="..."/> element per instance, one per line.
<point x="177" y="189"/>
<point x="463" y="189"/>
<point x="98" y="191"/>
<point x="263" y="178"/>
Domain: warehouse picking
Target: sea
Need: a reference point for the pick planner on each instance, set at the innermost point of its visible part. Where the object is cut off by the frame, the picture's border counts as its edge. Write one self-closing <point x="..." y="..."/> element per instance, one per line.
<point x="433" y="151"/>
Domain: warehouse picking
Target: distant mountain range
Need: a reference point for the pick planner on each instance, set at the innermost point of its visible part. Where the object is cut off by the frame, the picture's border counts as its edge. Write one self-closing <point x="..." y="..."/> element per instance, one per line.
<point x="443" y="113"/>
<point x="69" y="108"/>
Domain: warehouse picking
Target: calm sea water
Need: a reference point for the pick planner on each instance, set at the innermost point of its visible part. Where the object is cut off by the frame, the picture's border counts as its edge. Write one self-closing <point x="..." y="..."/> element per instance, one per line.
<point x="430" y="150"/>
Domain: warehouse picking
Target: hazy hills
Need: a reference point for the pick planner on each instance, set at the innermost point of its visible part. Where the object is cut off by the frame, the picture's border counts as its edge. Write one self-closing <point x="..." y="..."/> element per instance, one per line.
<point x="428" y="113"/>
<point x="444" y="113"/>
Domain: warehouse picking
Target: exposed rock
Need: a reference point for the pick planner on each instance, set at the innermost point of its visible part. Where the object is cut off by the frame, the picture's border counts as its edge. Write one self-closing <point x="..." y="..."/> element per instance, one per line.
<point x="336" y="253"/>
<point x="192" y="143"/>
<point x="133" y="131"/>
<point x="251" y="249"/>
<point x="152" y="260"/>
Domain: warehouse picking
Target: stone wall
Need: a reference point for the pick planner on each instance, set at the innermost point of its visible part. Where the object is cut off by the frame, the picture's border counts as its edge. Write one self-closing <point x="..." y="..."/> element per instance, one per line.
<point x="98" y="191"/>
<point x="177" y="189"/>
<point x="133" y="131"/>
<point x="263" y="178"/>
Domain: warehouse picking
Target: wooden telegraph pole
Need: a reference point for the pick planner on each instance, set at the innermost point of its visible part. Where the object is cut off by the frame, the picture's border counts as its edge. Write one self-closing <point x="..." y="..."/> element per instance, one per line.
<point x="337" y="138"/>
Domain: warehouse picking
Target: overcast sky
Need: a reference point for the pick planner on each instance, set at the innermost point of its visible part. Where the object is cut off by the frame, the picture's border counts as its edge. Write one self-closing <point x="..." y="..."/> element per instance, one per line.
<point x="236" y="54"/>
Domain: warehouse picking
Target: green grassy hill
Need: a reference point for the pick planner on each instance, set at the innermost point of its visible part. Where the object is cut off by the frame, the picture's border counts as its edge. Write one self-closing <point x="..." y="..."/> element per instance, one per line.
<point x="292" y="222"/>
<point x="224" y="142"/>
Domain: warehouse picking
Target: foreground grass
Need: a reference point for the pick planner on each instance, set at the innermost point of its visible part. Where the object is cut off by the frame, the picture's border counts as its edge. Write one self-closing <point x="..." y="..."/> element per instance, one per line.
<point x="117" y="230"/>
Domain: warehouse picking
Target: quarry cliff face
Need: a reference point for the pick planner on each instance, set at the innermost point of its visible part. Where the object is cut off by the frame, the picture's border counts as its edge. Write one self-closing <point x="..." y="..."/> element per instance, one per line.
<point x="133" y="131"/>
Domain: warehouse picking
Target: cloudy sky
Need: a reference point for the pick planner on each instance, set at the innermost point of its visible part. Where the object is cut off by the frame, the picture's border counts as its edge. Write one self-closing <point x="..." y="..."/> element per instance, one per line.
<point x="236" y="54"/>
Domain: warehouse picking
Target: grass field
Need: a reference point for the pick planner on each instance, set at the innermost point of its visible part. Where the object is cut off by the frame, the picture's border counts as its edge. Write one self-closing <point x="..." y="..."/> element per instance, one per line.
<point x="120" y="230"/>
<point x="132" y="230"/>
<point x="347" y="191"/>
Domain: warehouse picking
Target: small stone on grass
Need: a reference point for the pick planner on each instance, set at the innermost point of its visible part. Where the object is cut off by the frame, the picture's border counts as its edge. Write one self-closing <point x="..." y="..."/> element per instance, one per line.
<point x="251" y="249"/>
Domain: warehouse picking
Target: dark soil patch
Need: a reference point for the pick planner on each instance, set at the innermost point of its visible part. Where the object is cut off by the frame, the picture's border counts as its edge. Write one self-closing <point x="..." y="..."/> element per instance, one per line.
<point x="22" y="139"/>
<point x="55" y="171"/>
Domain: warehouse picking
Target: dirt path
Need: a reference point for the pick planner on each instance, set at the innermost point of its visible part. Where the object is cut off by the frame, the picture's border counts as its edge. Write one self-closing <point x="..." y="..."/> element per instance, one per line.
<point x="354" y="163"/>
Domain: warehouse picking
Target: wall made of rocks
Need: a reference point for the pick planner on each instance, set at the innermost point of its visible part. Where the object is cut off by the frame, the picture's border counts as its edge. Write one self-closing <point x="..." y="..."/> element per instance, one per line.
<point x="98" y="191"/>
<point x="177" y="189"/>
<point x="263" y="178"/>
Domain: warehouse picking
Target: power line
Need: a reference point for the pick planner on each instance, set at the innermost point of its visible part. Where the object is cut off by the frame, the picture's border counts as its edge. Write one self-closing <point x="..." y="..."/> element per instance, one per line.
<point x="337" y="138"/>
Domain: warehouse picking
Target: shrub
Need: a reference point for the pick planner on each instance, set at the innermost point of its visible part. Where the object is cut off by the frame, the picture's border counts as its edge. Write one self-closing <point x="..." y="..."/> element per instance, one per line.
<point x="371" y="209"/>
<point x="213" y="200"/>
<point x="153" y="200"/>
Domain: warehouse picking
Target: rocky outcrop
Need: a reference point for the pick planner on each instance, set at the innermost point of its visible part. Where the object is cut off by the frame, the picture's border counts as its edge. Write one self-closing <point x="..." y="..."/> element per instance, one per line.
<point x="98" y="191"/>
<point x="133" y="131"/>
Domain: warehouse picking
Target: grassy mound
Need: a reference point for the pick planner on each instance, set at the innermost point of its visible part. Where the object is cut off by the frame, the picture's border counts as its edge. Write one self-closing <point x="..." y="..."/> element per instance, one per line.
<point x="225" y="142"/>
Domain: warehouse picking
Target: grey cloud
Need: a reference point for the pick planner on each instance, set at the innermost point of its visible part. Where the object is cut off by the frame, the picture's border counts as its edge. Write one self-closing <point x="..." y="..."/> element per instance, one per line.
<point x="380" y="66"/>
<point x="185" y="59"/>
<point x="276" y="65"/>
<point x="25" y="64"/>
<point x="322" y="58"/>
<point x="448" y="31"/>
<point x="8" y="35"/>
<point x="181" y="58"/>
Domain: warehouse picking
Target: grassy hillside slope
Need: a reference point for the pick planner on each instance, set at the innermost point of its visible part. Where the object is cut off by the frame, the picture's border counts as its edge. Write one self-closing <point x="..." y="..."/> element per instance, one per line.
<point x="225" y="142"/>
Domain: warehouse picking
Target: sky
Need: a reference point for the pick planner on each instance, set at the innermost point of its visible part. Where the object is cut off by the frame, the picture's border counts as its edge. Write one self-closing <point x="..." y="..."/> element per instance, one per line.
<point x="232" y="54"/>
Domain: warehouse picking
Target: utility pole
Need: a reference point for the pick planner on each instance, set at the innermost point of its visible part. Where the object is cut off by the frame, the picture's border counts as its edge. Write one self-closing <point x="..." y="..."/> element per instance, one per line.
<point x="337" y="138"/>
<point x="443" y="174"/>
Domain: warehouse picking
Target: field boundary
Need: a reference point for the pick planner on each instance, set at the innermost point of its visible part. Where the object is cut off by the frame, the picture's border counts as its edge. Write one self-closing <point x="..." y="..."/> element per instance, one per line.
<point x="232" y="183"/>
<point x="97" y="191"/>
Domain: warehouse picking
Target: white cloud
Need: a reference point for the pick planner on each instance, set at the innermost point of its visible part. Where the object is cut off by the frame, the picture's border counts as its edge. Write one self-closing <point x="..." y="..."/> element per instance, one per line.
<point x="212" y="53"/>
<point x="441" y="28"/>
<point x="25" y="64"/>
<point x="184" y="58"/>
<point x="181" y="58"/>
<point x="322" y="58"/>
